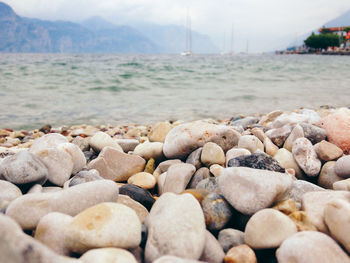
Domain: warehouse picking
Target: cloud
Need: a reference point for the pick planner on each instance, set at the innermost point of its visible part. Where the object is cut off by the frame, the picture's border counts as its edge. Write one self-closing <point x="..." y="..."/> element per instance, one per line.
<point x="265" y="23"/>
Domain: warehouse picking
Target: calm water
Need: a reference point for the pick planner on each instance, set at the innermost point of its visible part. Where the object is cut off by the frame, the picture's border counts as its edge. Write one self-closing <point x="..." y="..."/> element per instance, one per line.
<point x="59" y="89"/>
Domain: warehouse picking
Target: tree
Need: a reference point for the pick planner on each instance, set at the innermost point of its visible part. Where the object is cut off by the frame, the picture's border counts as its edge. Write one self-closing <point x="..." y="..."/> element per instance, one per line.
<point x="322" y="41"/>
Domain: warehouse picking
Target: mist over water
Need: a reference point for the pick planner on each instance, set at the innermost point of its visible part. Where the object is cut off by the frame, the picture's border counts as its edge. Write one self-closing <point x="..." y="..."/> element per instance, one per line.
<point x="63" y="89"/>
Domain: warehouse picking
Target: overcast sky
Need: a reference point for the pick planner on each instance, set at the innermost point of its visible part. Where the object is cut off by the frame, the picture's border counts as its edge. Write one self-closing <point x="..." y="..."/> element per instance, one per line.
<point x="267" y="24"/>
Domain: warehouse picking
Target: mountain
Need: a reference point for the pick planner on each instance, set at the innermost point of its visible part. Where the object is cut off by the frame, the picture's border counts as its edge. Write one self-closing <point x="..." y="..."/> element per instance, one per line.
<point x="342" y="20"/>
<point x="20" y="34"/>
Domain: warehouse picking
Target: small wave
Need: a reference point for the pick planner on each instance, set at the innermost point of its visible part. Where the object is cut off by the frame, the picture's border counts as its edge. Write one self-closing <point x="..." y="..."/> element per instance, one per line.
<point x="109" y="88"/>
<point x="126" y="75"/>
<point x="130" y="64"/>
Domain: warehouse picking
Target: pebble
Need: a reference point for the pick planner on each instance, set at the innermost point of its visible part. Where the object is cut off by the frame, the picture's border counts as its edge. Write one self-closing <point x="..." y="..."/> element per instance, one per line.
<point x="160" y="131"/>
<point x="230" y="237"/>
<point x="343" y="185"/>
<point x="17" y="247"/>
<point x="337" y="127"/>
<point x="286" y="159"/>
<point x="251" y="143"/>
<point x="148" y="150"/>
<point x="127" y="145"/>
<point x="257" y="161"/>
<point x="258" y="132"/>
<point x="106" y="255"/>
<point x="185" y="138"/>
<point x="212" y="154"/>
<point x="313" y="133"/>
<point x="270" y="148"/>
<point x="287" y="206"/>
<point x="161" y="181"/>
<point x="83" y="177"/>
<point x="195" y="158"/>
<point x="296" y="133"/>
<point x="176" y="226"/>
<point x="27" y="210"/>
<point x="199" y="194"/>
<point x="302" y="221"/>
<point x="143" y="179"/>
<point x="268" y="228"/>
<point x="240" y="254"/>
<point x="177" y="178"/>
<point x="306" y="157"/>
<point x="50" y="232"/>
<point x="327" y="151"/>
<point x="235" y="152"/>
<point x="342" y="167"/>
<point x="164" y="166"/>
<point x="293" y="118"/>
<point x="250" y="190"/>
<point x="51" y="140"/>
<point x="139" y="209"/>
<point x="246" y="122"/>
<point x="172" y="259"/>
<point x="217" y="212"/>
<point x="279" y="136"/>
<point x="212" y="251"/>
<point x="23" y="167"/>
<point x="314" y="203"/>
<point x="117" y="166"/>
<point x="337" y="219"/>
<point x="310" y="247"/>
<point x="8" y="192"/>
<point x="201" y="174"/>
<point x="101" y="140"/>
<point x="299" y="188"/>
<point x="59" y="164"/>
<point x="82" y="143"/>
<point x="210" y="184"/>
<point x="78" y="158"/>
<point x="103" y="225"/>
<point x="328" y="176"/>
<point x="150" y="166"/>
<point x="216" y="169"/>
<point x="138" y="194"/>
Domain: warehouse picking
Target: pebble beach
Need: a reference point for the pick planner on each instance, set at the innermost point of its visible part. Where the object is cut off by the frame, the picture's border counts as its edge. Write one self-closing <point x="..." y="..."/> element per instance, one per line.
<point x="258" y="188"/>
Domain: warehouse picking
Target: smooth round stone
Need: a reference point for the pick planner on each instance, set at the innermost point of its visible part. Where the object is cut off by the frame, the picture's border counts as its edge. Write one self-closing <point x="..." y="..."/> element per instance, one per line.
<point x="313" y="133"/>
<point x="23" y="167"/>
<point x="217" y="212"/>
<point x="212" y="154"/>
<point x="293" y="118"/>
<point x="257" y="161"/>
<point x="139" y="209"/>
<point x="116" y="165"/>
<point x="286" y="160"/>
<point x="279" y="136"/>
<point x="185" y="138"/>
<point x="150" y="166"/>
<point x="172" y="259"/>
<point x="337" y="127"/>
<point x="250" y="190"/>
<point x="302" y="221"/>
<point x="164" y="166"/>
<point x="17" y="247"/>
<point x="342" y="167"/>
<point x="51" y="140"/>
<point x="176" y="227"/>
<point x="149" y="150"/>
<point x="177" y="178"/>
<point x="199" y="194"/>
<point x="83" y="177"/>
<point x="286" y="206"/>
<point x="327" y="151"/>
<point x="101" y="140"/>
<point x="337" y="218"/>
<point x="258" y="132"/>
<point x="210" y="184"/>
<point x="161" y="181"/>
<point x="28" y="209"/>
<point x="235" y="152"/>
<point x="195" y="158"/>
<point x="343" y="185"/>
<point x="212" y="251"/>
<point x="160" y="131"/>
<point x="328" y="176"/>
<point x="310" y="247"/>
<point x="138" y="194"/>
<point x="230" y="237"/>
<point x="270" y="117"/>
<point x="8" y="192"/>
<point x="144" y="180"/>
<point x="240" y="254"/>
<point x="200" y="174"/>
<point x="270" y="148"/>
<point x="82" y="143"/>
<point x="79" y="161"/>
<point x="314" y="203"/>
<point x="299" y="188"/>
<point x="104" y="225"/>
<point x="251" y="143"/>
<point x="296" y="133"/>
<point x="216" y="169"/>
<point x="246" y="122"/>
<point x="306" y="157"/>
<point x="106" y="255"/>
<point x="268" y="228"/>
<point x="50" y="231"/>
<point x="127" y="144"/>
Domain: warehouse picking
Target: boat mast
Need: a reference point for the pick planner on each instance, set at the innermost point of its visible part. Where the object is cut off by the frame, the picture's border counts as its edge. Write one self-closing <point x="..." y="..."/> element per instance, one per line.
<point x="232" y="35"/>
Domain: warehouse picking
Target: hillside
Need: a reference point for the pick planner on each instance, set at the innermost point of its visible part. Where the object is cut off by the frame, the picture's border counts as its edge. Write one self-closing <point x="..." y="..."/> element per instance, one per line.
<point x="343" y="20"/>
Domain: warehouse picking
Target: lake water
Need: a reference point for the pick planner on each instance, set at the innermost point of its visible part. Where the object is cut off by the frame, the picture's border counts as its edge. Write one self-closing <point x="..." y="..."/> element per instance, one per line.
<point x="63" y="89"/>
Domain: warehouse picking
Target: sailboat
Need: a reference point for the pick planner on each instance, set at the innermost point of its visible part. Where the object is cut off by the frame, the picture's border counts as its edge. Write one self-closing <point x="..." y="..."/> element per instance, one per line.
<point x="188" y="50"/>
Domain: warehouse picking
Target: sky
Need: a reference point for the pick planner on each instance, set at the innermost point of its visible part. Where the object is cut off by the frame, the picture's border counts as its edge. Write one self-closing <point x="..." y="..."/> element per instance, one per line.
<point x="260" y="25"/>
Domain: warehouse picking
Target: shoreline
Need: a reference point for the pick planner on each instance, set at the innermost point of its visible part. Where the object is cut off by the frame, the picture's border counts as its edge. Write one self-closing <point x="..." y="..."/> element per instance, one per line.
<point x="248" y="188"/>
